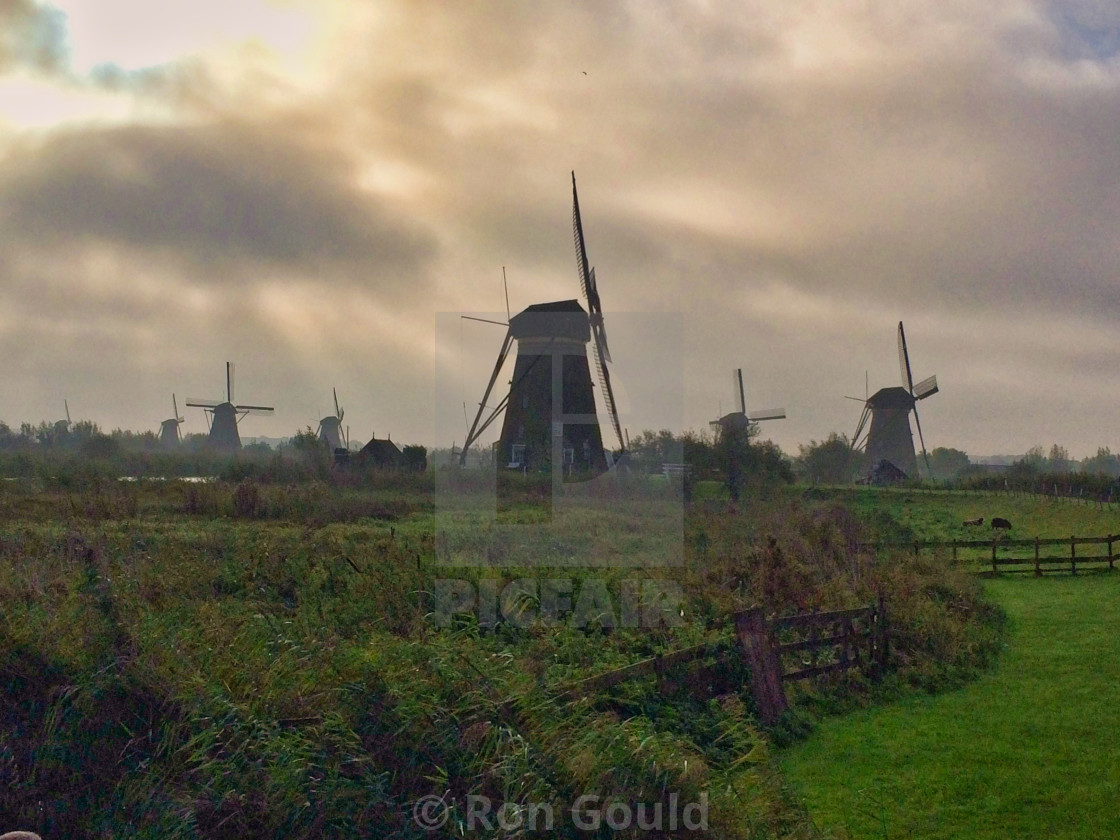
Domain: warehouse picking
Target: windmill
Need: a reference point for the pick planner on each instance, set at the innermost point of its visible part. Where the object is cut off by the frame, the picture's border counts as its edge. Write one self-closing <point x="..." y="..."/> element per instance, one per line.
<point x="169" y="434"/>
<point x="741" y="419"/>
<point x="888" y="438"/>
<point x="223" y="417"/>
<point x="550" y="407"/>
<point x="331" y="431"/>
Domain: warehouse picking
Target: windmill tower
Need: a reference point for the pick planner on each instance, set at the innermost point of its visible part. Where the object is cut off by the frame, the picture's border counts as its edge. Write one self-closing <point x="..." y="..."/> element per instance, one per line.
<point x="330" y="428"/>
<point x="223" y="417"/>
<point x="741" y="419"/>
<point x="169" y="434"/>
<point x="888" y="438"/>
<point x="550" y="412"/>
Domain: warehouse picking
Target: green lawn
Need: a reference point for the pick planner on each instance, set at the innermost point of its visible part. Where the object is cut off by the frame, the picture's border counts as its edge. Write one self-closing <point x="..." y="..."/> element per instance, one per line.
<point x="1026" y="751"/>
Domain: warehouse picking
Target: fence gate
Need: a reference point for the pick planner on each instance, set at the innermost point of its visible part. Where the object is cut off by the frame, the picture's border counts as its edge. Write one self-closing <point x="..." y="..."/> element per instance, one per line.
<point x="799" y="647"/>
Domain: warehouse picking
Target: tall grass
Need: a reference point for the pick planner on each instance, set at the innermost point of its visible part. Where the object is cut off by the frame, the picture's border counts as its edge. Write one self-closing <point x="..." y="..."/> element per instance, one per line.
<point x="258" y="659"/>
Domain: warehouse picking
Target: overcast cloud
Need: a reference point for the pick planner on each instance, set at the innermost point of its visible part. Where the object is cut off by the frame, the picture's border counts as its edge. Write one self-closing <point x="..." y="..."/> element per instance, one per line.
<point x="300" y="187"/>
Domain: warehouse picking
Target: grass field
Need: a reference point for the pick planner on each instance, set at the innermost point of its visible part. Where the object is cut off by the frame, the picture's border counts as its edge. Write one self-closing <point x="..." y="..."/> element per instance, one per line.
<point x="940" y="515"/>
<point x="258" y="658"/>
<point x="1021" y="752"/>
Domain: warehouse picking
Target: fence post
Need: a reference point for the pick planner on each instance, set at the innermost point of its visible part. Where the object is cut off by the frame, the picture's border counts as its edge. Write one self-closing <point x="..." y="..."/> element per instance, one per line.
<point x="1110" y="558"/>
<point x="1037" y="567"/>
<point x="995" y="568"/>
<point x="882" y="651"/>
<point x="1072" y="555"/>
<point x="954" y="551"/>
<point x="765" y="665"/>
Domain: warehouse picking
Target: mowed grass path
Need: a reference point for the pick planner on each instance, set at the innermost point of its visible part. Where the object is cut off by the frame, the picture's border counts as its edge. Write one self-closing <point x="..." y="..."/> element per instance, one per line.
<point x="1028" y="751"/>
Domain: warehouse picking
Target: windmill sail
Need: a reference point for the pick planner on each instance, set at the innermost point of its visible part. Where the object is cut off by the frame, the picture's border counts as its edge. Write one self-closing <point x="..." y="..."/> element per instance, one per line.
<point x="595" y="311"/>
<point x="926" y="388"/>
<point x="904" y="361"/>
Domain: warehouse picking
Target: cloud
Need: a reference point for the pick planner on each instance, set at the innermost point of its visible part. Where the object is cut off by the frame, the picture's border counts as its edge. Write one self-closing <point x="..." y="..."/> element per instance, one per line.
<point x="796" y="179"/>
<point x="32" y="36"/>
<point x="220" y="199"/>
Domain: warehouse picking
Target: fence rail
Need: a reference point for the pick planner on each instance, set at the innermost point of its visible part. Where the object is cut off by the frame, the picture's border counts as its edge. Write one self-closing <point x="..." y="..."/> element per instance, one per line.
<point x="1039" y="561"/>
<point x="855" y="638"/>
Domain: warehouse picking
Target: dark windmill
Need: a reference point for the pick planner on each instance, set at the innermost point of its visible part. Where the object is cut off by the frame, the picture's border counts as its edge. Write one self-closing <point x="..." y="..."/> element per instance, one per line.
<point x="330" y="431"/>
<point x="550" y="408"/>
<point x="223" y="417"/>
<point x="889" y="437"/>
<point x="169" y="434"/>
<point x="741" y="419"/>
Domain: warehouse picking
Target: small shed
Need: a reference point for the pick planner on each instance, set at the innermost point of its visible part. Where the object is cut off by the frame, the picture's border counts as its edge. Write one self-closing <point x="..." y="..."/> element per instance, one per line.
<point x="382" y="454"/>
<point x="885" y="473"/>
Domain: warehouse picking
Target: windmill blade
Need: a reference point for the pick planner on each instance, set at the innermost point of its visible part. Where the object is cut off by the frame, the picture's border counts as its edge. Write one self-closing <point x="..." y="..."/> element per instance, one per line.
<point x="475" y="429"/>
<point x="67" y="406"/>
<point x="596" y="316"/>
<point x="587" y="280"/>
<point x="925" y="456"/>
<point x="255" y="409"/>
<point x="767" y="414"/>
<point x="194" y="402"/>
<point x="319" y="429"/>
<point x="856" y="443"/>
<point x="483" y="320"/>
<point x="742" y="395"/>
<point x="581" y="250"/>
<point x="505" y="288"/>
<point x="608" y="394"/>
<point x="175" y="405"/>
<point x="926" y="388"/>
<point x="337" y="411"/>
<point x="904" y="360"/>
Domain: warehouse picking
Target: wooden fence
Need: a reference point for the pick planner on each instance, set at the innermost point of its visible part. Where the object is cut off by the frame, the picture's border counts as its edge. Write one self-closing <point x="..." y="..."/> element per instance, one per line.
<point x="812" y="644"/>
<point x="1039" y="558"/>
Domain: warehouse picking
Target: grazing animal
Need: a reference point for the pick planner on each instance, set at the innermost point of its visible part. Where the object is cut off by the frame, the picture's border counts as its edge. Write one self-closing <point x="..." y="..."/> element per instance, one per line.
<point x="979" y="521"/>
<point x="999" y="522"/>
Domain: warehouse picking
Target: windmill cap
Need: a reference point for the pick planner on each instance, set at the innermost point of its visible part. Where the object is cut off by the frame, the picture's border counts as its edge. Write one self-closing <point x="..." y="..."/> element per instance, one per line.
<point x="887" y="398"/>
<point x="564" y="319"/>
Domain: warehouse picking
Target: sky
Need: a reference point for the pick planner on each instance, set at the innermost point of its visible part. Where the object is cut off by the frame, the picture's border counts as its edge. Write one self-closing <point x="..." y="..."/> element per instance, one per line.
<point x="316" y="189"/>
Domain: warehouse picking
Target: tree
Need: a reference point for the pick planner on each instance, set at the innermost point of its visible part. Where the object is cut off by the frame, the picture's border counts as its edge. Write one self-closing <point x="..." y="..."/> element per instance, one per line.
<point x="1103" y="463"/>
<point x="649" y="450"/>
<point x="946" y="464"/>
<point x="312" y="451"/>
<point x="828" y="462"/>
<point x="1034" y="459"/>
<point x="1059" y="459"/>
<point x="733" y="454"/>
<point x="415" y="457"/>
<point x="698" y="451"/>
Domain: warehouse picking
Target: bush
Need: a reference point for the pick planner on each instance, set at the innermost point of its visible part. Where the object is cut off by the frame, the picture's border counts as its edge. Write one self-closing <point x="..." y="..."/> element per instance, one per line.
<point x="246" y="500"/>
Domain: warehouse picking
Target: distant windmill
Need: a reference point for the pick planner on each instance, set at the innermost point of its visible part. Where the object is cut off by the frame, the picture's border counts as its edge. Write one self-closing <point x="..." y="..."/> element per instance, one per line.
<point x="741" y="419"/>
<point x="223" y="417"/>
<point x="889" y="437"/>
<point x="331" y="431"/>
<point x="169" y="434"/>
<point x="534" y="428"/>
